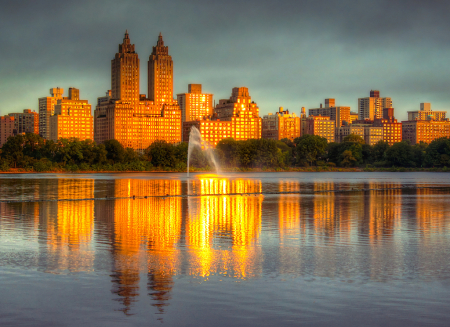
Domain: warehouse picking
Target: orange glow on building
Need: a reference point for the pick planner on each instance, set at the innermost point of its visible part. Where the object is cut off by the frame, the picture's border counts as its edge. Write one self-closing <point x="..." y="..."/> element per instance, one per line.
<point x="338" y="114"/>
<point x="237" y="117"/>
<point x="281" y="125"/>
<point x="127" y="116"/>
<point x="47" y="109"/>
<point x="425" y="130"/>
<point x="195" y="105"/>
<point x="72" y="118"/>
<point x="321" y="126"/>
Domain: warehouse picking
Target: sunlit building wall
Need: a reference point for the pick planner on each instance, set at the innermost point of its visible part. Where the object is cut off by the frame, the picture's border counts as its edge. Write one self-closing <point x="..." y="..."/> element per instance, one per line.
<point x="134" y="120"/>
<point x="417" y="131"/>
<point x="425" y="113"/>
<point x="338" y="114"/>
<point x="72" y="118"/>
<point x="281" y="125"/>
<point x="26" y="121"/>
<point x="237" y="117"/>
<point x="195" y="105"/>
<point x="372" y="107"/>
<point x="321" y="126"/>
<point x="47" y="109"/>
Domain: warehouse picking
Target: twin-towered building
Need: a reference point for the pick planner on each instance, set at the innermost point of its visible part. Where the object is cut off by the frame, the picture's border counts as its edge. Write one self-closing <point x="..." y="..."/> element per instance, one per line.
<point x="137" y="120"/>
<point x="134" y="119"/>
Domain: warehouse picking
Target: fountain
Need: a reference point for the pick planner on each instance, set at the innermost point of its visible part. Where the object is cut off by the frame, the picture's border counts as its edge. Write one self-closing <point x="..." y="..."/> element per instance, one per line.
<point x="195" y="140"/>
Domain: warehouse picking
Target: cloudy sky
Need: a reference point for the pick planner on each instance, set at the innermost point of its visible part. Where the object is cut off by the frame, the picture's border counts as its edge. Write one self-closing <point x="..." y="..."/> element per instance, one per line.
<point x="288" y="53"/>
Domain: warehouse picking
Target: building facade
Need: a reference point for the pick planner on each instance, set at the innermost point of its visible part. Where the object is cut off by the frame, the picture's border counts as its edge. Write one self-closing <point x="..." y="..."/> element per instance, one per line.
<point x="426" y="131"/>
<point x="134" y="120"/>
<point x="281" y="125"/>
<point x="322" y="126"/>
<point x="237" y="117"/>
<point x="47" y="109"/>
<point x="72" y="118"/>
<point x="425" y="113"/>
<point x="6" y="128"/>
<point x="26" y="121"/>
<point x="195" y="105"/>
<point x="392" y="129"/>
<point x="340" y="115"/>
<point x="372" y="107"/>
<point x="369" y="133"/>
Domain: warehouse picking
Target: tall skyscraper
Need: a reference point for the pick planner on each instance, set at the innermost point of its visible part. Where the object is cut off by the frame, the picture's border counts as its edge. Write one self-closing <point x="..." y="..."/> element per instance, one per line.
<point x="47" y="109"/>
<point x="195" y="104"/>
<point x="131" y="118"/>
<point x="125" y="73"/>
<point x="372" y="107"/>
<point x="160" y="74"/>
<point x="72" y="118"/>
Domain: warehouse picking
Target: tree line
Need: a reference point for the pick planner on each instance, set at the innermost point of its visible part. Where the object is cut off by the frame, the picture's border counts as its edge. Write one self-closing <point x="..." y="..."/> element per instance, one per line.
<point x="32" y="152"/>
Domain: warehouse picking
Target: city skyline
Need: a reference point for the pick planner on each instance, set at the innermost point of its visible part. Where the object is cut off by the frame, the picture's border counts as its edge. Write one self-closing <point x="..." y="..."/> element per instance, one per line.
<point x="290" y="54"/>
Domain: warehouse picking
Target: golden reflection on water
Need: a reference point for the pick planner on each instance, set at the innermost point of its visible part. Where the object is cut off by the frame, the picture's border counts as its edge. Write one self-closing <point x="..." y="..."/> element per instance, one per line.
<point x="222" y="217"/>
<point x="69" y="234"/>
<point x="217" y="230"/>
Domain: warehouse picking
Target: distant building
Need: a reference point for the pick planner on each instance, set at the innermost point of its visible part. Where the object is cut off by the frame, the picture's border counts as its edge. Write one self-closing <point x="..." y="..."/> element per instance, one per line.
<point x="47" y="109"/>
<point x="6" y="128"/>
<point x="392" y="129"/>
<point x="195" y="104"/>
<point x="26" y="121"/>
<point x="131" y="118"/>
<point x="338" y="114"/>
<point x="417" y="131"/>
<point x="372" y="107"/>
<point x="281" y="125"/>
<point x="425" y="113"/>
<point x="353" y="116"/>
<point x="369" y="133"/>
<point x="237" y="117"/>
<point x="72" y="118"/>
<point x="322" y="126"/>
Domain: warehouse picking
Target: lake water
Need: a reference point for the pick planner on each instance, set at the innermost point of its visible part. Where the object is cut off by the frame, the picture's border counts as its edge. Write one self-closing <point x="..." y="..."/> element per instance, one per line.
<point x="256" y="249"/>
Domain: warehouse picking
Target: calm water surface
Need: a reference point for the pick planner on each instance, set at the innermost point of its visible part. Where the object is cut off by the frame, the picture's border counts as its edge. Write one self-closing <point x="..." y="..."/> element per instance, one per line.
<point x="260" y="249"/>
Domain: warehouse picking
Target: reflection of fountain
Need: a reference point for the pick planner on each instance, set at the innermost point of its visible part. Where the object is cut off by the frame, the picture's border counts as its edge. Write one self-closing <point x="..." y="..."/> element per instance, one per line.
<point x="195" y="140"/>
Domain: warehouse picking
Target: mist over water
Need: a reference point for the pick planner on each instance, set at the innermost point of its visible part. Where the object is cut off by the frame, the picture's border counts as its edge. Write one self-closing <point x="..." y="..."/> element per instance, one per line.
<point x="259" y="249"/>
<point x="196" y="141"/>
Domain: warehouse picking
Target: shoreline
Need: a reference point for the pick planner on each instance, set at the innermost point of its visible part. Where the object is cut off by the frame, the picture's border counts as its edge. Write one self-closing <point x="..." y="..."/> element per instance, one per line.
<point x="236" y="170"/>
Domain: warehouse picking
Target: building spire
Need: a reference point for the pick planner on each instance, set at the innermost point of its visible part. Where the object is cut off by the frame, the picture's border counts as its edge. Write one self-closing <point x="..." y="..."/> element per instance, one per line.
<point x="160" y="40"/>
<point x="126" y="34"/>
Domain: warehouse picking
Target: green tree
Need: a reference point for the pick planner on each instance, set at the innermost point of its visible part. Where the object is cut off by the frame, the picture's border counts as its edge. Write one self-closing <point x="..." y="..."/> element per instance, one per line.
<point x="379" y="151"/>
<point x="438" y="153"/>
<point x="309" y="148"/>
<point x="227" y="151"/>
<point x="348" y="160"/>
<point x="161" y="154"/>
<point x="400" y="155"/>
<point x="115" y="151"/>
<point x="12" y="150"/>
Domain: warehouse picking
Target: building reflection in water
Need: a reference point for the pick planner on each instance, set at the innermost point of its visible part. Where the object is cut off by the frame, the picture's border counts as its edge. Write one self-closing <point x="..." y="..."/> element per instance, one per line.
<point x="217" y="231"/>
<point x="222" y="229"/>
<point x="69" y="228"/>
<point x="141" y="225"/>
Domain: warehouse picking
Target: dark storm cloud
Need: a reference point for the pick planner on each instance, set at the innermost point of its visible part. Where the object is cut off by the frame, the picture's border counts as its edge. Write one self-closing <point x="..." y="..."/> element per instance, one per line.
<point x="289" y="53"/>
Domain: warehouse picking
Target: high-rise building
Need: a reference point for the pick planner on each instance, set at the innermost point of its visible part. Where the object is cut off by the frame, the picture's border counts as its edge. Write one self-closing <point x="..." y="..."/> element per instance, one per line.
<point x="281" y="125"/>
<point x="322" y="126"/>
<point x="237" y="117"/>
<point x="372" y="107"/>
<point x="131" y="118"/>
<point x="353" y="117"/>
<point x="160" y="74"/>
<point x="47" y="109"/>
<point x="425" y="113"/>
<point x="125" y="73"/>
<point x="338" y="114"/>
<point x="6" y="128"/>
<point x="195" y="104"/>
<point x="72" y="118"/>
<point x="369" y="133"/>
<point x="26" y="121"/>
